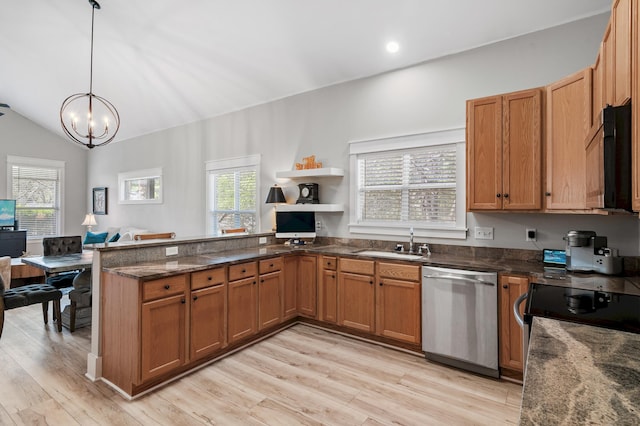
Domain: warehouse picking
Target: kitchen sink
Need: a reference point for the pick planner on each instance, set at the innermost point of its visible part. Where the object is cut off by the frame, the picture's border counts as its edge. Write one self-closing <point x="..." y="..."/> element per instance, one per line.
<point x="390" y="254"/>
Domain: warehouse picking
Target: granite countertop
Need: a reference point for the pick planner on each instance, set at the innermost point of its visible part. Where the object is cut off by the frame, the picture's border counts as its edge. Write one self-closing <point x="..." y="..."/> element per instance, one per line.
<point x="580" y="374"/>
<point x="172" y="266"/>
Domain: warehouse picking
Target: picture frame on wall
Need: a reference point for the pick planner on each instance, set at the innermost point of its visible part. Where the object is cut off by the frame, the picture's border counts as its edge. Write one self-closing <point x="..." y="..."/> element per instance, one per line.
<point x="100" y="200"/>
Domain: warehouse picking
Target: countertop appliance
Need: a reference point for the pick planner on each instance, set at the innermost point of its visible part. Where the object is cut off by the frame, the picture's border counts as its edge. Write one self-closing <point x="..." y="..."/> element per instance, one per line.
<point x="616" y="311"/>
<point x="587" y="252"/>
<point x="460" y="318"/>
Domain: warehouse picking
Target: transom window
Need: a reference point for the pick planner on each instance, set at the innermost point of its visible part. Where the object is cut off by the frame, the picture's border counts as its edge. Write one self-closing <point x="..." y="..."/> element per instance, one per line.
<point x="140" y="187"/>
<point x="410" y="181"/>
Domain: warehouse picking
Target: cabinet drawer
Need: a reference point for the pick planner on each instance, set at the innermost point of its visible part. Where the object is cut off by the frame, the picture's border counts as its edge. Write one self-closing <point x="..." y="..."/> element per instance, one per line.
<point x="357" y="266"/>
<point x="270" y="265"/>
<point x="329" y="262"/>
<point x="207" y="278"/>
<point x="401" y="272"/>
<point x="243" y="270"/>
<point x="164" y="287"/>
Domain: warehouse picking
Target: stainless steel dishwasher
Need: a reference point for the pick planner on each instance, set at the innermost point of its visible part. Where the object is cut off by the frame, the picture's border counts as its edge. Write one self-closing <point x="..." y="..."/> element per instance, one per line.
<point x="460" y="318"/>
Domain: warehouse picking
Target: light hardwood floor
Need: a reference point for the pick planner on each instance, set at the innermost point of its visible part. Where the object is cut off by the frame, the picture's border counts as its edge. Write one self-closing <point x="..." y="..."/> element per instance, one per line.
<point x="302" y="375"/>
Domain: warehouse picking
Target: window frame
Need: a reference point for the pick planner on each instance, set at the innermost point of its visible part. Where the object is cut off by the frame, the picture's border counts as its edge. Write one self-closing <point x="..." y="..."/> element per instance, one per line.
<point x="231" y="164"/>
<point x="138" y="175"/>
<point x="401" y="144"/>
<point x="45" y="164"/>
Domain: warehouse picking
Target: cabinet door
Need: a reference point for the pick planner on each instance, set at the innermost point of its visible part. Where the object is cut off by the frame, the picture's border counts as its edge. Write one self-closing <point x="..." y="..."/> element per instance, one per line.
<point x="597" y="87"/>
<point x="522" y="150"/>
<point x="510" y="332"/>
<point x="329" y="296"/>
<point x="307" y="286"/>
<point x="163" y="336"/>
<point x="290" y="288"/>
<point x="484" y="154"/>
<point x="608" y="64"/>
<point x="621" y="26"/>
<point x="242" y="309"/>
<point x="398" y="310"/>
<point x="208" y="321"/>
<point x="568" y="123"/>
<point x="356" y="301"/>
<point x="269" y="293"/>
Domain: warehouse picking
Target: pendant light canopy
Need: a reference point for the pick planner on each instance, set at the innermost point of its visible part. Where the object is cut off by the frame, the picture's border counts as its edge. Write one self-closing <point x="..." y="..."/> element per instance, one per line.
<point x="88" y="119"/>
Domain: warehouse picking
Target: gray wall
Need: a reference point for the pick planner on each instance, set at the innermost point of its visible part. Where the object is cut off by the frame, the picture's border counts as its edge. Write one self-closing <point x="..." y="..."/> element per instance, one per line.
<point x="426" y="97"/>
<point x="21" y="137"/>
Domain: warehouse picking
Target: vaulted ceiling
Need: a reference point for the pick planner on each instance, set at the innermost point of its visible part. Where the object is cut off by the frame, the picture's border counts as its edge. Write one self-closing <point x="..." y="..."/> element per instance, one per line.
<point x="164" y="63"/>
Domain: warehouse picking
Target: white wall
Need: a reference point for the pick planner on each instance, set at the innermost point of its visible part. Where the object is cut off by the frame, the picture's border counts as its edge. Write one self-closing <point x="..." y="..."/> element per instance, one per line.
<point x="21" y="137"/>
<point x="426" y="97"/>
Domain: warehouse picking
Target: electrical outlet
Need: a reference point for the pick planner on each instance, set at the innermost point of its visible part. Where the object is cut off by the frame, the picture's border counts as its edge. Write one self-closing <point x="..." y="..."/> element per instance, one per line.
<point x="483" y="233"/>
<point x="531" y="234"/>
<point x="318" y="225"/>
<point x="171" y="251"/>
<point x="262" y="240"/>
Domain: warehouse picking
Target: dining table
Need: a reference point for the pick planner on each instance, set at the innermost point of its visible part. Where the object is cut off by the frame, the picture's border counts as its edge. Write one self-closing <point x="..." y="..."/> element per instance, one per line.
<point x="53" y="265"/>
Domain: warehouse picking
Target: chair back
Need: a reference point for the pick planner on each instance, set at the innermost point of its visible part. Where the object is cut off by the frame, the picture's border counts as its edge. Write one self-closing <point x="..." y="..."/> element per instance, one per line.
<point x="5" y="273"/>
<point x="59" y="246"/>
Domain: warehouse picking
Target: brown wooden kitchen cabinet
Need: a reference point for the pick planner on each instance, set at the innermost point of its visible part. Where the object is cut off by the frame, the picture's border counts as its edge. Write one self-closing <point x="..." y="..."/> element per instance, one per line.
<point x="635" y="108"/>
<point x="269" y="293"/>
<point x="568" y="123"/>
<point x="356" y="294"/>
<point x="328" y="289"/>
<point x="504" y="145"/>
<point x="208" y="319"/>
<point x="597" y="87"/>
<point x="398" y="302"/>
<point x="242" y="305"/>
<point x="608" y="66"/>
<point x="621" y="27"/>
<point x="290" y="287"/>
<point x="510" y="334"/>
<point x="307" y="286"/>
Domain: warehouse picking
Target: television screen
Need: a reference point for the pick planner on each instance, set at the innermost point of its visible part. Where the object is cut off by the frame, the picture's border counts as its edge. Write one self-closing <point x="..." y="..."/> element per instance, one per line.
<point x="7" y="212"/>
<point x="295" y="224"/>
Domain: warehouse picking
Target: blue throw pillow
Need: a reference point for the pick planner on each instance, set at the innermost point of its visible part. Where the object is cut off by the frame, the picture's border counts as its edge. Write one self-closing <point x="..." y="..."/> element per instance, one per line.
<point x="114" y="238"/>
<point x="93" y="238"/>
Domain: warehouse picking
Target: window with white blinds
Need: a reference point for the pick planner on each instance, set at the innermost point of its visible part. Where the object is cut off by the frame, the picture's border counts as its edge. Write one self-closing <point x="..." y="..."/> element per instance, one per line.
<point x="36" y="185"/>
<point x="232" y="192"/>
<point x="411" y="181"/>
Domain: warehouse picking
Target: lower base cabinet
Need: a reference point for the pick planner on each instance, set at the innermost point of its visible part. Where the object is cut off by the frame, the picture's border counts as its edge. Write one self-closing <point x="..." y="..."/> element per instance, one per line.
<point x="356" y="294"/>
<point x="243" y="301"/>
<point x="307" y="290"/>
<point x="398" y="303"/>
<point x="208" y="319"/>
<point x="510" y="333"/>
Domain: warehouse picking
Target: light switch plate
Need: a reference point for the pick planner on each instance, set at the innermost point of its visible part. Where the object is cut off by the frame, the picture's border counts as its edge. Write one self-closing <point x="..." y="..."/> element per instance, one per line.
<point x="483" y="233"/>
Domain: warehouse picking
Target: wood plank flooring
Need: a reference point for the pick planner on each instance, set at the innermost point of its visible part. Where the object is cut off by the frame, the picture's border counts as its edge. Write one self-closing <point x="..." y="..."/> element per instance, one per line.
<point x="301" y="376"/>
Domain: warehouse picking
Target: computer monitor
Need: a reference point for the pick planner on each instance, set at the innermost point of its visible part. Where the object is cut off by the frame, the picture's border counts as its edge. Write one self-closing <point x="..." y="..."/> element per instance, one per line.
<point x="295" y="225"/>
<point x="7" y="213"/>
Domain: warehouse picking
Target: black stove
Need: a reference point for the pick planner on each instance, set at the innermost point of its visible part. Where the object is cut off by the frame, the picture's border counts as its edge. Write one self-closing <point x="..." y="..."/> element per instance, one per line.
<point x="616" y="311"/>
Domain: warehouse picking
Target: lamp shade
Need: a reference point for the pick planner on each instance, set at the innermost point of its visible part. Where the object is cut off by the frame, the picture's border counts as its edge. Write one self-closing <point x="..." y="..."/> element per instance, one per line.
<point x="89" y="220"/>
<point x="275" y="195"/>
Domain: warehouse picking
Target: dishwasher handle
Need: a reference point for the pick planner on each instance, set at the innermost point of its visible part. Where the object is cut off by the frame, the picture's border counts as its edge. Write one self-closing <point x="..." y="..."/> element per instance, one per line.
<point x="457" y="278"/>
<point x="516" y="309"/>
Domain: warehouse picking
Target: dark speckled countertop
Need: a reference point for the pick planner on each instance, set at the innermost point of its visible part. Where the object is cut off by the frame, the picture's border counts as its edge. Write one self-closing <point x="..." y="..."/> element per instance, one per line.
<point x="579" y="374"/>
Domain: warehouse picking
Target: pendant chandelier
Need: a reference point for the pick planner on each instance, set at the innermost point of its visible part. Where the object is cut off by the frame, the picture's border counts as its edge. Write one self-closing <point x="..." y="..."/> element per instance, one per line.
<point x="88" y="119"/>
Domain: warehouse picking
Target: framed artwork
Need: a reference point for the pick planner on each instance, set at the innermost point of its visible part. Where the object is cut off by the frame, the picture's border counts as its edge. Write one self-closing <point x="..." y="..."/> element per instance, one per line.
<point x="100" y="200"/>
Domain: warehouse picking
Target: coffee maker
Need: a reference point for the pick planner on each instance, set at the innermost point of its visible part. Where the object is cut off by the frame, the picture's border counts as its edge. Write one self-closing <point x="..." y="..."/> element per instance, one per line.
<point x="588" y="252"/>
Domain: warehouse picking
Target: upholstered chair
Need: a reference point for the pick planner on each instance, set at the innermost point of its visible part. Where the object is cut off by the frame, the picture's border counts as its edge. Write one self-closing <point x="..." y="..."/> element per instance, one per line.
<point x="80" y="298"/>
<point x="60" y="246"/>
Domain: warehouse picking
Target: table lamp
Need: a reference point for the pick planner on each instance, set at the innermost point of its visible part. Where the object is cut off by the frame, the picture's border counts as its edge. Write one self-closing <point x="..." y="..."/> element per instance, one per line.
<point x="89" y="221"/>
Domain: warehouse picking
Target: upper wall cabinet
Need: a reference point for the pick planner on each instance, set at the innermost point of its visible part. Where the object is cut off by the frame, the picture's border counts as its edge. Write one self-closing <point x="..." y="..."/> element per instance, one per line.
<point x="621" y="28"/>
<point x="569" y="114"/>
<point x="598" y="87"/>
<point x="635" y="111"/>
<point x="504" y="139"/>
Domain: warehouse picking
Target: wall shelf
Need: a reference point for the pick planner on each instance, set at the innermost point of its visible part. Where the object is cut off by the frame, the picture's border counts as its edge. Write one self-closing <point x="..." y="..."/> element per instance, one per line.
<point x="323" y="172"/>
<point x="310" y="207"/>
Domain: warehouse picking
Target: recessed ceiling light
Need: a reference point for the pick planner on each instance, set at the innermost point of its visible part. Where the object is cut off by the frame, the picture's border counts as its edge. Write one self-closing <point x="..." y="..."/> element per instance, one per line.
<point x="393" y="47"/>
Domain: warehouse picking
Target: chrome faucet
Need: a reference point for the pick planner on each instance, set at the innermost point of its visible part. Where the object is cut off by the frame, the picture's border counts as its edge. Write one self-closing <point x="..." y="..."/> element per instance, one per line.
<point x="411" y="240"/>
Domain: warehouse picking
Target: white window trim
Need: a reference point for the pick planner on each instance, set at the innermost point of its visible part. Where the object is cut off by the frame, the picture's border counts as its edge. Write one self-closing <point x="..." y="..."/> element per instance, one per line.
<point x="41" y="162"/>
<point x="139" y="174"/>
<point x="230" y="163"/>
<point x="406" y="142"/>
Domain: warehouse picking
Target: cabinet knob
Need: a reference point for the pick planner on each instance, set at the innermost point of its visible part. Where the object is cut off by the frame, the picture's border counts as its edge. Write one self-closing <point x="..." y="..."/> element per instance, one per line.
<point x="167" y="287"/>
<point x="195" y="297"/>
<point x="262" y="280"/>
<point x="271" y="265"/>
<point x="183" y="301"/>
<point x="254" y="282"/>
<point x="371" y="282"/>
<point x="209" y="278"/>
<point x="506" y="195"/>
<point x="244" y="270"/>
<point x="498" y="195"/>
<point x="380" y="283"/>
<point x="548" y="194"/>
<point x="505" y="286"/>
